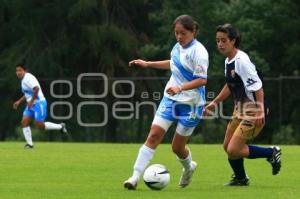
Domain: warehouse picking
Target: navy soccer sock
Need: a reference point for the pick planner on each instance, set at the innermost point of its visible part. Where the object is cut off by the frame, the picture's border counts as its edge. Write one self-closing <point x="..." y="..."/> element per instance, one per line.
<point x="259" y="152"/>
<point x="238" y="168"/>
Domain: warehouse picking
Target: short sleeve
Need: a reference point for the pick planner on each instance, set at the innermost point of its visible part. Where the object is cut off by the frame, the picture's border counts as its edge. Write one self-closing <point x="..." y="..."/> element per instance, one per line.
<point x="31" y="81"/>
<point x="200" y="64"/>
<point x="247" y="71"/>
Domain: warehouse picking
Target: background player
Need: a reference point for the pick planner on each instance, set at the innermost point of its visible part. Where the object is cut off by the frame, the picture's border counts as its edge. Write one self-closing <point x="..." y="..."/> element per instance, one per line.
<point x="36" y="107"/>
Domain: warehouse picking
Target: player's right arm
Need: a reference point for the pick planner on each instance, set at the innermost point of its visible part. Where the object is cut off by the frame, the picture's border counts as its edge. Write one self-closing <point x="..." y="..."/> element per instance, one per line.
<point x="165" y="64"/>
<point x="18" y="102"/>
<point x="225" y="92"/>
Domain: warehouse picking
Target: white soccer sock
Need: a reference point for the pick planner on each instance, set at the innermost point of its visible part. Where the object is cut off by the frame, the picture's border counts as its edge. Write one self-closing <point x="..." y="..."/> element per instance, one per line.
<point x="142" y="160"/>
<point x="27" y="135"/>
<point x="186" y="163"/>
<point x="52" y="126"/>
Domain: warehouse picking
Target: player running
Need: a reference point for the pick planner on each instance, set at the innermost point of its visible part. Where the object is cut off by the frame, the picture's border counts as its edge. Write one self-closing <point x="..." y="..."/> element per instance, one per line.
<point x="36" y="105"/>
<point x="245" y="85"/>
<point x="183" y="101"/>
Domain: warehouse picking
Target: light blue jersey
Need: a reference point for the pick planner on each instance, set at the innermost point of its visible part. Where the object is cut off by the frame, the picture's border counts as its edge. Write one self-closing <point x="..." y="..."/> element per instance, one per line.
<point x="186" y="64"/>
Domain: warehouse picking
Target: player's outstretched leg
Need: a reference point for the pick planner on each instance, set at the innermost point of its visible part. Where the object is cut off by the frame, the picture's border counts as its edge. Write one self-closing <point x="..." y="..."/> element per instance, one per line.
<point x="54" y="126"/>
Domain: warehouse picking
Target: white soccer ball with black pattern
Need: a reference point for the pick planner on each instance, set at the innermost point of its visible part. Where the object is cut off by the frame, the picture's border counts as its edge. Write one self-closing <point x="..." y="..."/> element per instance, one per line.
<point x="156" y="176"/>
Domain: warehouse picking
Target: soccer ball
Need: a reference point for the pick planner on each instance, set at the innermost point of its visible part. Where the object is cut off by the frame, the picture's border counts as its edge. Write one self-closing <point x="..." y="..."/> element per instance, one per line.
<point x="156" y="176"/>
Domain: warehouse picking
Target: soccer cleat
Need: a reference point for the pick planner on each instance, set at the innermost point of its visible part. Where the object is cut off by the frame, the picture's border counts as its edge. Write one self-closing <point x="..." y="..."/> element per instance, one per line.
<point x="186" y="176"/>
<point x="130" y="184"/>
<point x="238" y="182"/>
<point x="63" y="128"/>
<point x="275" y="160"/>
<point x="28" y="146"/>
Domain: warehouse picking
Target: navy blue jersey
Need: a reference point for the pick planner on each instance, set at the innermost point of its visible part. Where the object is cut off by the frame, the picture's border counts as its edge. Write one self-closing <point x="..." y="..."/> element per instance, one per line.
<point x="235" y="83"/>
<point x="242" y="77"/>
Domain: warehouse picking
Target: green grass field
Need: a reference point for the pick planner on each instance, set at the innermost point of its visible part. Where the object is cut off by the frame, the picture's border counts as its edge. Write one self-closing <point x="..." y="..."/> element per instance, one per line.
<point x="75" y="170"/>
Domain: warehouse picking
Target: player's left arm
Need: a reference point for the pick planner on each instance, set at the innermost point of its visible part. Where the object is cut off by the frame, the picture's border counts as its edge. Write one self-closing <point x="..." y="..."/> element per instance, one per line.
<point x="18" y="102"/>
<point x="35" y="94"/>
<point x="187" y="86"/>
<point x="253" y="83"/>
<point x="260" y="113"/>
<point x="199" y="74"/>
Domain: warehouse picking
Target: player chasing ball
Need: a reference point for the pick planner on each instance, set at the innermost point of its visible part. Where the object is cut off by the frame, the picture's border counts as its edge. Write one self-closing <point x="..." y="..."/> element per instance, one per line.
<point x="248" y="119"/>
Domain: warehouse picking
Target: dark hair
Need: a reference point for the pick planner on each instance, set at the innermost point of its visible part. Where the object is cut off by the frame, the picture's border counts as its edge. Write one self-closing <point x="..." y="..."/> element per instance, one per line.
<point x="232" y="33"/>
<point x="188" y="23"/>
<point x="22" y="65"/>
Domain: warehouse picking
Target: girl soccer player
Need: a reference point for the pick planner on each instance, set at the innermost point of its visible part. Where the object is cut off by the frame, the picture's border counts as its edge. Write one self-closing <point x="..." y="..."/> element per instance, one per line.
<point x="183" y="101"/>
<point x="245" y="85"/>
<point x="36" y="105"/>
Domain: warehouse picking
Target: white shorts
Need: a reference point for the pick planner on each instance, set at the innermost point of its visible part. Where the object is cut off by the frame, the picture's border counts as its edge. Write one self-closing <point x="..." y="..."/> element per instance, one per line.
<point x="165" y="124"/>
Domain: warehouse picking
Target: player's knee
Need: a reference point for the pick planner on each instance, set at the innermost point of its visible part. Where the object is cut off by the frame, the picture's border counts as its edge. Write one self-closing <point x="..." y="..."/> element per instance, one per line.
<point x="40" y="125"/>
<point x="24" y="123"/>
<point x="232" y="152"/>
<point x="154" y="138"/>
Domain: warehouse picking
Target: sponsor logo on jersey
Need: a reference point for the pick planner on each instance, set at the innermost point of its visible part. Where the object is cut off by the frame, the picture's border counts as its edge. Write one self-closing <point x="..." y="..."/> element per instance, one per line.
<point x="199" y="70"/>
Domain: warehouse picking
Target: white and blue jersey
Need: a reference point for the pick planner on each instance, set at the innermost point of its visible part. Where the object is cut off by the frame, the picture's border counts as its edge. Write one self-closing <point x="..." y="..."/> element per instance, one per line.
<point x="187" y="63"/>
<point x="39" y="109"/>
